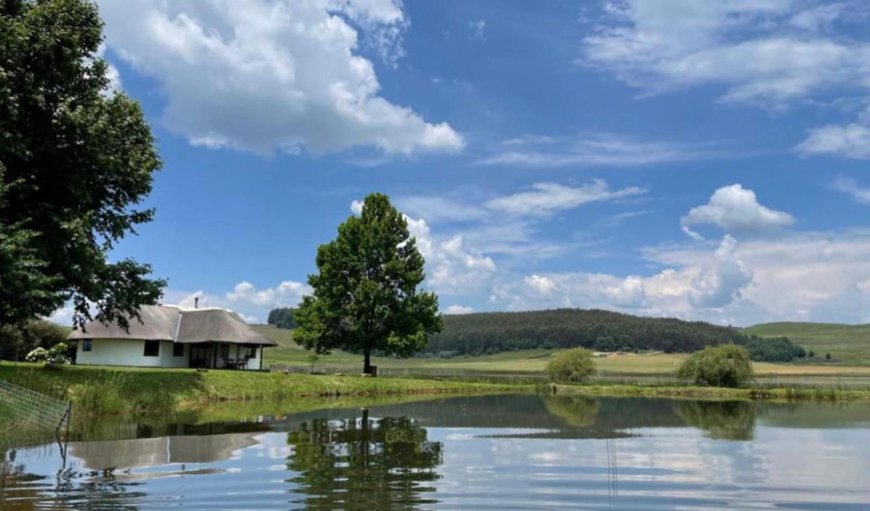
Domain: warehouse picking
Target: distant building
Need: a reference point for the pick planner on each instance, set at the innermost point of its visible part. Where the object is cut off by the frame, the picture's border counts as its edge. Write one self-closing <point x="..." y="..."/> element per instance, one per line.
<point x="171" y="336"/>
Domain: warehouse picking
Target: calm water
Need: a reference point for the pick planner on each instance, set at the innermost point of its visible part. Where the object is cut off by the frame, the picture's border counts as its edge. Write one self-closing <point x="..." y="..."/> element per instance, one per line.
<point x="502" y="452"/>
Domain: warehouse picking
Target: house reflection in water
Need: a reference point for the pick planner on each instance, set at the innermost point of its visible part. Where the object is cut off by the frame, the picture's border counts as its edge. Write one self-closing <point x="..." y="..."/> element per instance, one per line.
<point x="149" y="452"/>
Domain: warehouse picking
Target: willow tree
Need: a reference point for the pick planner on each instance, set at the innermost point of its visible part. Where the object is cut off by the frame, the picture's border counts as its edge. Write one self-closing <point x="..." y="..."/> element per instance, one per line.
<point x="365" y="295"/>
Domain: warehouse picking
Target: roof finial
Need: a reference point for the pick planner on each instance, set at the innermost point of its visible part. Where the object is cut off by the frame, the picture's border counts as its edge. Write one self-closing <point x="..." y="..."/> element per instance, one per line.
<point x="196" y="302"/>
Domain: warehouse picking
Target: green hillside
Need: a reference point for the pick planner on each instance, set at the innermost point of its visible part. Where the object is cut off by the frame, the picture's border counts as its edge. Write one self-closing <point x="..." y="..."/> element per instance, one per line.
<point x="849" y="344"/>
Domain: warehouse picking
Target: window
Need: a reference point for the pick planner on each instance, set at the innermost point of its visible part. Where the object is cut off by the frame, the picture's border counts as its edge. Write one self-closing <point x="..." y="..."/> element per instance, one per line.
<point x="87" y="344"/>
<point x="177" y="350"/>
<point x="250" y="352"/>
<point x="152" y="348"/>
<point x="225" y="350"/>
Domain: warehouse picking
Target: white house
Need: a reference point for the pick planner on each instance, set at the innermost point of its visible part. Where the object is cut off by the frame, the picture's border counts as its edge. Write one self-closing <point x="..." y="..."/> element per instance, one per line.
<point x="171" y="336"/>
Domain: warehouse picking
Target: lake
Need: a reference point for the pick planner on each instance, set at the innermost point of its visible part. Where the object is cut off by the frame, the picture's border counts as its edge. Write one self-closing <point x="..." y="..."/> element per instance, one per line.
<point x="483" y="452"/>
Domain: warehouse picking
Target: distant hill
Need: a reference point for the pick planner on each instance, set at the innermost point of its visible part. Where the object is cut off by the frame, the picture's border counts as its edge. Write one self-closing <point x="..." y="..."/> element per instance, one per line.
<point x="494" y="332"/>
<point x="849" y="344"/>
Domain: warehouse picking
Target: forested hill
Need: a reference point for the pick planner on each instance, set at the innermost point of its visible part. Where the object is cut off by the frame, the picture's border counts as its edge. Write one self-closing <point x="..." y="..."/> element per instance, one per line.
<point x="493" y="332"/>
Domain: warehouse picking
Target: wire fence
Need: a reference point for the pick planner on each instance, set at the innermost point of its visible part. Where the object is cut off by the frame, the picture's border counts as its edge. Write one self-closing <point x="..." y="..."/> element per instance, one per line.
<point x="32" y="411"/>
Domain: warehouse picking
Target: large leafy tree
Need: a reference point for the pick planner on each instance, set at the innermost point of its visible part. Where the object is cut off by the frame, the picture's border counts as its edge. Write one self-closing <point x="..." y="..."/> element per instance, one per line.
<point x="78" y="161"/>
<point x="365" y="295"/>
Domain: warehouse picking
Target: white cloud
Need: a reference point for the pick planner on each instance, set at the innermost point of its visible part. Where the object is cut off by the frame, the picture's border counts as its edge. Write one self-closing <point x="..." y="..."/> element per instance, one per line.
<point x="850" y="141"/>
<point x="601" y="149"/>
<point x="451" y="267"/>
<point x="723" y="281"/>
<point x="816" y="276"/>
<point x="356" y="207"/>
<point x="735" y="209"/>
<point x="435" y="208"/>
<point x="478" y="29"/>
<point x="853" y="189"/>
<point x="458" y="309"/>
<point x="285" y="294"/>
<point x="252" y="304"/>
<point x="763" y="52"/>
<point x="263" y="76"/>
<point x="769" y="53"/>
<point x="546" y="198"/>
<point x="62" y="316"/>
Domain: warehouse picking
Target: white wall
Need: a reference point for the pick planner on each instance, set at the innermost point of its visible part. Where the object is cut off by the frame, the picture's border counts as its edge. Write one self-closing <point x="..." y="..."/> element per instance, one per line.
<point x="125" y="352"/>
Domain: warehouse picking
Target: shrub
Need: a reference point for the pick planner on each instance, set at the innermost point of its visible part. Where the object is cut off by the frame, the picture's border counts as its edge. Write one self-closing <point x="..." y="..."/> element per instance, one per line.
<point x="56" y="355"/>
<point x="727" y="365"/>
<point x="573" y="365"/>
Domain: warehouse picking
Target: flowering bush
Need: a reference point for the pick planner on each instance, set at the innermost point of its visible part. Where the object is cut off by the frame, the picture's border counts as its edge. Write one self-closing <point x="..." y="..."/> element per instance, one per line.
<point x="52" y="357"/>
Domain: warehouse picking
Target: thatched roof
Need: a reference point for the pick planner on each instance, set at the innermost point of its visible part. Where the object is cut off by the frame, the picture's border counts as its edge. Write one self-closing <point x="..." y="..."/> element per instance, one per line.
<point x="177" y="324"/>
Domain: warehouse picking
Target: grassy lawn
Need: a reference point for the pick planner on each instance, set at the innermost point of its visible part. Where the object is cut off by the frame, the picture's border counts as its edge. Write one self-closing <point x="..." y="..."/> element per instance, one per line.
<point x="848" y="344"/>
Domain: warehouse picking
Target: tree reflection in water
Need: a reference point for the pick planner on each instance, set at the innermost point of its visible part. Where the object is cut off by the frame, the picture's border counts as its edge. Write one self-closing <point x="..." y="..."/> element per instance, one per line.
<point x="363" y="463"/>
<point x="721" y="420"/>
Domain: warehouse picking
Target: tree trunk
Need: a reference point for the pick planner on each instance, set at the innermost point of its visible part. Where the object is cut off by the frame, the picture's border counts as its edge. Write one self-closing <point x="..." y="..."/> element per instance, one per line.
<point x="367" y="365"/>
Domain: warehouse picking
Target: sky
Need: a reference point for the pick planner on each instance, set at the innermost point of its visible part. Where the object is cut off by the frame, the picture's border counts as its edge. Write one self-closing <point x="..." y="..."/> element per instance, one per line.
<point x="665" y="157"/>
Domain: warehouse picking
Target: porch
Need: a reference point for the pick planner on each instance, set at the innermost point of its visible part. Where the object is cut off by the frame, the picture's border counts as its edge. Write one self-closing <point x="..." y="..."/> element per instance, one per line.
<point x="225" y="355"/>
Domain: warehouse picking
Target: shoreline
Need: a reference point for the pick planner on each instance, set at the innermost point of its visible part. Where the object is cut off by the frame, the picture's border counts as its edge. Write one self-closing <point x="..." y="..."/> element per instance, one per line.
<point x="125" y="391"/>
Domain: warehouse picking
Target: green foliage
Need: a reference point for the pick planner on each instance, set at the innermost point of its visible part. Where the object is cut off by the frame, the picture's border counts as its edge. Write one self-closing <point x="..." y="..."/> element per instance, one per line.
<point x="495" y="332"/>
<point x="571" y="366"/>
<point x="365" y="295"/>
<point x="54" y="356"/>
<point x="78" y="160"/>
<point x="18" y="340"/>
<point x="728" y="365"/>
<point x="283" y="317"/>
<point x="773" y="349"/>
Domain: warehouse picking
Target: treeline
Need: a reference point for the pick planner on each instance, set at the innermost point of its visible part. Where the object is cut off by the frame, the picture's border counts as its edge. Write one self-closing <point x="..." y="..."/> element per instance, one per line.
<point x="494" y="332"/>
<point x="282" y="317"/>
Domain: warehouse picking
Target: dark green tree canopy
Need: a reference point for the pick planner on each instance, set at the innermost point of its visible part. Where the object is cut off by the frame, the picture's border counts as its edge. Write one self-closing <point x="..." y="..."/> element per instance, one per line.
<point x="365" y="295"/>
<point x="78" y="161"/>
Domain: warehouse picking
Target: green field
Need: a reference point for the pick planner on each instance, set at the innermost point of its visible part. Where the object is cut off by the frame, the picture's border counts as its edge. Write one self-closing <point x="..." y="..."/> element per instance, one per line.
<point x="525" y="362"/>
<point x="847" y="344"/>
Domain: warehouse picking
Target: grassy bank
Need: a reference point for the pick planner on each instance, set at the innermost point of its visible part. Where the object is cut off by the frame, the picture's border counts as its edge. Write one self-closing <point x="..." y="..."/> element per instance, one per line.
<point x="692" y="392"/>
<point x="122" y="390"/>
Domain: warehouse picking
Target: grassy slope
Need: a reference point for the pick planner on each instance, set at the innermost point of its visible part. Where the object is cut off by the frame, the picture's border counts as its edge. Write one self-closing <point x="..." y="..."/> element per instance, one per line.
<point x="125" y="390"/>
<point x="849" y="344"/>
<point x="526" y="361"/>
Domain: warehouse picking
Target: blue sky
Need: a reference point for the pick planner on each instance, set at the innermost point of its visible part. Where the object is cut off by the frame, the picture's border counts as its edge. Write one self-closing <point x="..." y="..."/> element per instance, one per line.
<point x="680" y="158"/>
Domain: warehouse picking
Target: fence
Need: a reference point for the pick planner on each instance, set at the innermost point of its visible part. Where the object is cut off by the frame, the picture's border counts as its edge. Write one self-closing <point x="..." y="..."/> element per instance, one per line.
<point x="32" y="411"/>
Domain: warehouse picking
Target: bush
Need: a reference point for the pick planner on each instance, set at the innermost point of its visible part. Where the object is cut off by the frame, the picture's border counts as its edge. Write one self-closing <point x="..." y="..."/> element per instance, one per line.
<point x="574" y="365"/>
<point x="52" y="357"/>
<point x="727" y="365"/>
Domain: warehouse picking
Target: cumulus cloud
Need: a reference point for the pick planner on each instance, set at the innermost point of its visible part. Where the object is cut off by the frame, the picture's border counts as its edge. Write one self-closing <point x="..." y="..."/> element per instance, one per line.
<point x="735" y="209"/>
<point x="273" y="75"/>
<point x="595" y="149"/>
<point x="458" y="309"/>
<point x="285" y="294"/>
<point x="723" y="281"/>
<point x="546" y="198"/>
<point x="451" y="267"/>
<point x="813" y="276"/>
<point x="247" y="300"/>
<point x="852" y="188"/>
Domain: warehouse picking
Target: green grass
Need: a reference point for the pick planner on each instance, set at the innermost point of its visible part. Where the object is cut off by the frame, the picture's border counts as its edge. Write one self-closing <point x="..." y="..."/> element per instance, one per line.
<point x="847" y="344"/>
<point x="529" y="362"/>
<point x="103" y="390"/>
